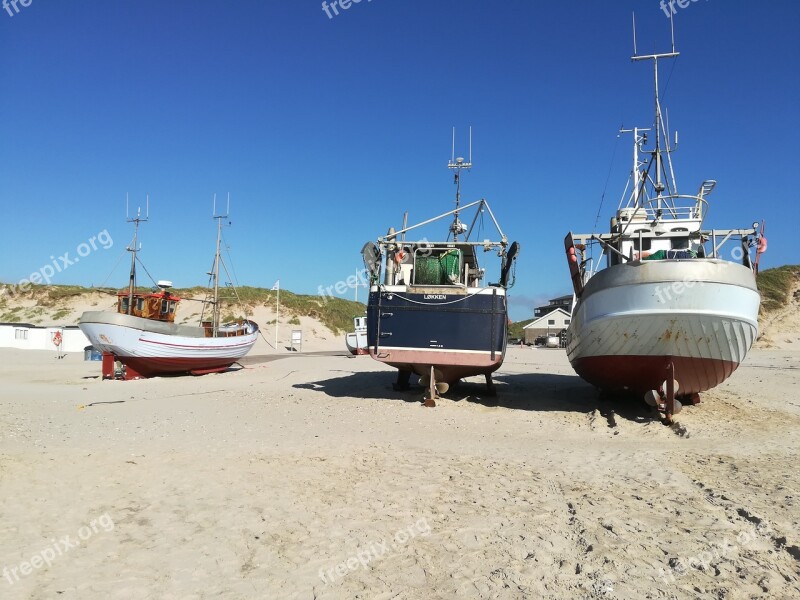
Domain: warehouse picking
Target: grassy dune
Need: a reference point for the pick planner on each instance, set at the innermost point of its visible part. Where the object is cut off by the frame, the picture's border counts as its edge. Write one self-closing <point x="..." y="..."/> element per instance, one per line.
<point x="53" y="302"/>
<point x="776" y="286"/>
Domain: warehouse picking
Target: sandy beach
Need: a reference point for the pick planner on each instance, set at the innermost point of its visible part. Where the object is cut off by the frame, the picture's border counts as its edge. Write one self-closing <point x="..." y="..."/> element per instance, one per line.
<point x="309" y="477"/>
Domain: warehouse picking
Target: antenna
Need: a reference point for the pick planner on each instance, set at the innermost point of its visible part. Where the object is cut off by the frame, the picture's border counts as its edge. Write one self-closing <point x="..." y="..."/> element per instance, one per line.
<point x="134" y="247"/>
<point x="457" y="164"/>
<point x="634" y="34"/>
<point x="138" y="218"/>
<point x="672" y="28"/>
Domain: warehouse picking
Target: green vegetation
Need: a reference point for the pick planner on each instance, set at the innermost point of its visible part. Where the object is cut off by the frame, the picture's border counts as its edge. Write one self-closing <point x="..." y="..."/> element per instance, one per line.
<point x="11" y="316"/>
<point x="335" y="313"/>
<point x="775" y="286"/>
<point x="515" y="330"/>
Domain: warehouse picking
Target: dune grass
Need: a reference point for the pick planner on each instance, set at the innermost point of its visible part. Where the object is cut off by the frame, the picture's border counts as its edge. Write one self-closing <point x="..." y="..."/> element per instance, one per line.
<point x="335" y="313"/>
<point x="775" y="286"/>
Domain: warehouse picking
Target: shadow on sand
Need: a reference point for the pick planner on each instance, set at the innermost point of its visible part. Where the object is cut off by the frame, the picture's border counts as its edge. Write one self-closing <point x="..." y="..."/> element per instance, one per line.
<point x="539" y="392"/>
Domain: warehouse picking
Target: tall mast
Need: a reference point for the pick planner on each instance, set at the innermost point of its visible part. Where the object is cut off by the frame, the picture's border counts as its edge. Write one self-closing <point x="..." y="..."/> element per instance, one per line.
<point x="659" y="185"/>
<point x="638" y="140"/>
<point x="217" y="257"/>
<point x="457" y="164"/>
<point x="133" y="248"/>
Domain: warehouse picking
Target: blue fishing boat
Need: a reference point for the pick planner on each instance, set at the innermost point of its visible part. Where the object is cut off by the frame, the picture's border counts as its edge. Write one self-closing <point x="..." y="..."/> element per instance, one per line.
<point x="429" y="311"/>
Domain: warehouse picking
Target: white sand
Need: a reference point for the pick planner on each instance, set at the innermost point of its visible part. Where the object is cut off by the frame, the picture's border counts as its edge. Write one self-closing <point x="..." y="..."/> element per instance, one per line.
<point x="258" y="483"/>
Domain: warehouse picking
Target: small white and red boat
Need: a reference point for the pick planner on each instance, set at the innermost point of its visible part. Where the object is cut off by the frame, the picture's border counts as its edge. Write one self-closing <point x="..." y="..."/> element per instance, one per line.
<point x="356" y="340"/>
<point x="143" y="336"/>
<point x="666" y="310"/>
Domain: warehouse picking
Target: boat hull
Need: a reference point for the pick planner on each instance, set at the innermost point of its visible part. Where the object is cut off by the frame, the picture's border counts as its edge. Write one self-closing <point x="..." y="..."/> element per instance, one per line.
<point x="458" y="334"/>
<point x="152" y="348"/>
<point x="634" y="319"/>
<point x="357" y="343"/>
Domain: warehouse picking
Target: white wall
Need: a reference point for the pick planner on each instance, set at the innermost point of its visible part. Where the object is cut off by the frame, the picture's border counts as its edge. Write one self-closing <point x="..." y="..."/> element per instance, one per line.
<point x="41" y="338"/>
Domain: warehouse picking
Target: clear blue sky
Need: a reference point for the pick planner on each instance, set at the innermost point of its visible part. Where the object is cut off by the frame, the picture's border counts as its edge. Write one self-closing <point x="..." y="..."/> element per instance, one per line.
<point x="324" y="130"/>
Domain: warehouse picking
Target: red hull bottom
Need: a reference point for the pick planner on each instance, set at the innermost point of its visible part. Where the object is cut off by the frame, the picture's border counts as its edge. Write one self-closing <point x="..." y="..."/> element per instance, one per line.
<point x="359" y="352"/>
<point x="643" y="373"/>
<point x="452" y="365"/>
<point x="137" y="367"/>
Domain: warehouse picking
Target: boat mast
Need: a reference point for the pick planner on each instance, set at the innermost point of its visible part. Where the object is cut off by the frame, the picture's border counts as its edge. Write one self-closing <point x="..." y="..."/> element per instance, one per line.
<point x="217" y="257"/>
<point x="659" y="185"/>
<point x="636" y="174"/>
<point x="133" y="248"/>
<point x="457" y="164"/>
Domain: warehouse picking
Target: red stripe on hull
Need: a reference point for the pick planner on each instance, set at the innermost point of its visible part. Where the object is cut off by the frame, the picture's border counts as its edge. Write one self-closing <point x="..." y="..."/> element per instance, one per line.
<point x="453" y="365"/>
<point x="643" y="373"/>
<point x="153" y="367"/>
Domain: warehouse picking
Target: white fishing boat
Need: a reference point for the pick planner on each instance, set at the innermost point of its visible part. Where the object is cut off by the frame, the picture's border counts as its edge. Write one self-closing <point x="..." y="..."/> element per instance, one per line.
<point x="669" y="308"/>
<point x="143" y="336"/>
<point x="356" y="340"/>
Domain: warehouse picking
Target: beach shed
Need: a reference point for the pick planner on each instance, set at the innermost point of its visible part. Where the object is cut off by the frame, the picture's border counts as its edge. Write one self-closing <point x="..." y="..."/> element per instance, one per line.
<point x="38" y="337"/>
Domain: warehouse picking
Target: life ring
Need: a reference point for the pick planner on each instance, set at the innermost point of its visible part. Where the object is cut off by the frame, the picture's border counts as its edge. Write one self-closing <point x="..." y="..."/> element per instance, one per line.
<point x="57" y="338"/>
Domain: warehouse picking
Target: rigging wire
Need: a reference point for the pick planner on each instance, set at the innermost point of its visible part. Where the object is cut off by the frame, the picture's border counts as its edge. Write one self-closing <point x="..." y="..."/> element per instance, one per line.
<point x="155" y="283"/>
<point x="608" y="178"/>
<point x="119" y="260"/>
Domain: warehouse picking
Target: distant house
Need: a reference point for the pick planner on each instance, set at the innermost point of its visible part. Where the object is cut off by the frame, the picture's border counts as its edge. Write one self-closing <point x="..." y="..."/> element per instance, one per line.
<point x="32" y="337"/>
<point x="553" y="323"/>
<point x="562" y="302"/>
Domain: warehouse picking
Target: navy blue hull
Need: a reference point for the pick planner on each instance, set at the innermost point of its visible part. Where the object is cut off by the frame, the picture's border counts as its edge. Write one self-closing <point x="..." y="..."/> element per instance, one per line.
<point x="457" y="334"/>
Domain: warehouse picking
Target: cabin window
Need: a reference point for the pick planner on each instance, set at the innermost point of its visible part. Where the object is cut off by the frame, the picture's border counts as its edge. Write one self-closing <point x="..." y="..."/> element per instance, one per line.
<point x="20" y="334"/>
<point x="123" y="304"/>
<point x="646" y="242"/>
<point x="172" y="307"/>
<point x="140" y="304"/>
<point x="164" y="307"/>
<point x="551" y="321"/>
<point x="566" y="321"/>
<point x="680" y="243"/>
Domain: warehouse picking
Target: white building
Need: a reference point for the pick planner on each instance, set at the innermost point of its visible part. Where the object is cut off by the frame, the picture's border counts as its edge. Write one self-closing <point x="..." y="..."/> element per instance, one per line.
<point x="553" y="323"/>
<point x="35" y="337"/>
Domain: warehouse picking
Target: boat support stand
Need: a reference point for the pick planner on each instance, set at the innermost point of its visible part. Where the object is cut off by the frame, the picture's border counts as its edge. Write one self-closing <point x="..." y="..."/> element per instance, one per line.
<point x="669" y="391"/>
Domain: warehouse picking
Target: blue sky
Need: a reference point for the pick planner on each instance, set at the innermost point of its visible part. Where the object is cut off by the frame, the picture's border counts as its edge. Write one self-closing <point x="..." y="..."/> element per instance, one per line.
<point x="325" y="130"/>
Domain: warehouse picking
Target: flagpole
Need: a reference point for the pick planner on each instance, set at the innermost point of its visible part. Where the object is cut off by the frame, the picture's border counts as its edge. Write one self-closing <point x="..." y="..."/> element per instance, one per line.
<point x="277" y="313"/>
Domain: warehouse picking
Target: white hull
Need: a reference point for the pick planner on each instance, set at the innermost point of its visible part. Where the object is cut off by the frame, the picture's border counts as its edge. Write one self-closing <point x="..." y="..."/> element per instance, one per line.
<point x="357" y="342"/>
<point x="172" y="349"/>
<point x="635" y="318"/>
